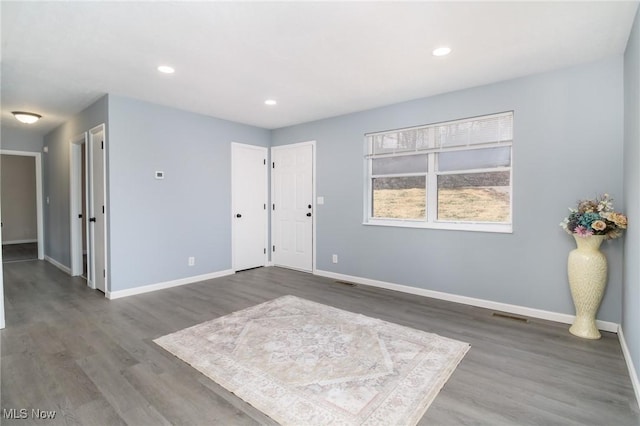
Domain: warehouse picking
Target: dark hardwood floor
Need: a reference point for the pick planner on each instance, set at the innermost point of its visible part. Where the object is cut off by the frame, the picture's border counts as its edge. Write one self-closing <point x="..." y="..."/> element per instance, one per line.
<point x="67" y="348"/>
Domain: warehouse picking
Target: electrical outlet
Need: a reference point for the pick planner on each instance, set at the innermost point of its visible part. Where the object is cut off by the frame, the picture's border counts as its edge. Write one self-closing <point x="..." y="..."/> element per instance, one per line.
<point x="334" y="258"/>
<point x="192" y="261"/>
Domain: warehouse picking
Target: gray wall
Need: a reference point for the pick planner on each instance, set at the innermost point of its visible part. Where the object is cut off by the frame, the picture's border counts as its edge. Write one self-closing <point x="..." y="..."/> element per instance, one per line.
<point x="18" y="198"/>
<point x="18" y="139"/>
<point x="568" y="145"/>
<point x="56" y="178"/>
<point x="157" y="224"/>
<point x="631" y="287"/>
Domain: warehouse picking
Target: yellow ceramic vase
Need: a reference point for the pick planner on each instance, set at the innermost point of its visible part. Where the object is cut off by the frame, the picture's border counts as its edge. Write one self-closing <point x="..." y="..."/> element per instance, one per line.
<point x="587" y="268"/>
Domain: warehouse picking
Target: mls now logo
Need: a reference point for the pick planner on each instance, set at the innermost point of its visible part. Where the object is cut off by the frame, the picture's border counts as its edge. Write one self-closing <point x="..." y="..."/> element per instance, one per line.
<point x="23" y="413"/>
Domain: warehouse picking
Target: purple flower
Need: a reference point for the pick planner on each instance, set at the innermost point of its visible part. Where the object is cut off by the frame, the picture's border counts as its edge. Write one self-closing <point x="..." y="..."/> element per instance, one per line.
<point x="582" y="231"/>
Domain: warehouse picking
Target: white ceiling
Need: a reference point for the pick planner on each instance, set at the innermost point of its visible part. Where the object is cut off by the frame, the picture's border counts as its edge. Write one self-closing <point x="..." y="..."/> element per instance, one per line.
<point x="318" y="59"/>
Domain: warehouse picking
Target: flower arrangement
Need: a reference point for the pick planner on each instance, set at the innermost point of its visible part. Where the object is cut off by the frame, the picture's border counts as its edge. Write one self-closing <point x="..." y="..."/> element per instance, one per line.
<point x="595" y="217"/>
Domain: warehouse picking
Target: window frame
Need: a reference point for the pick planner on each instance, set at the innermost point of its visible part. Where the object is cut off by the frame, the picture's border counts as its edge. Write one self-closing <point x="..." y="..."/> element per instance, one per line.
<point x="431" y="220"/>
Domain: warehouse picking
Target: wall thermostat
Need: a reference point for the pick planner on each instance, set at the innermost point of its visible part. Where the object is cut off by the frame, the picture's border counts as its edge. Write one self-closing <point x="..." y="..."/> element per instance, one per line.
<point x="159" y="174"/>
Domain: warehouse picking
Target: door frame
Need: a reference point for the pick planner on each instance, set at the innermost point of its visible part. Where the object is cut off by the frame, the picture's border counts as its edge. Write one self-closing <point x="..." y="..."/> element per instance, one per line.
<point x="91" y="134"/>
<point x="2" y="322"/>
<point x="312" y="143"/>
<point x="234" y="223"/>
<point x="39" y="207"/>
<point x="75" y="202"/>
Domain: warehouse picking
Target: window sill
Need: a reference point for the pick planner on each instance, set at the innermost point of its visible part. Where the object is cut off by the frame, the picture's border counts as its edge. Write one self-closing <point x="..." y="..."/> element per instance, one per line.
<point x="501" y="228"/>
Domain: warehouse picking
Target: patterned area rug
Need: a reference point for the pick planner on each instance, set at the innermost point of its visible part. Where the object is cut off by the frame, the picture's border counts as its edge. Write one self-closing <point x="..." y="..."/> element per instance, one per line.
<point x="300" y="362"/>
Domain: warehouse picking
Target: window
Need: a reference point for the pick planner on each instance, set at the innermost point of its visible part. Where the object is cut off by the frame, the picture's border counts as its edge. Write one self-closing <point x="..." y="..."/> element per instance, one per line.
<point x="453" y="175"/>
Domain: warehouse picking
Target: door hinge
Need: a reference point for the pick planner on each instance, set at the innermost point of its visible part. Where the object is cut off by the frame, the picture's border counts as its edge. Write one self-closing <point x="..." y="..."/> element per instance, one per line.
<point x="273" y="249"/>
<point x="265" y="251"/>
<point x="273" y="165"/>
<point x="265" y="206"/>
<point x="104" y="273"/>
<point x="274" y="206"/>
<point x="264" y="161"/>
<point x="101" y="144"/>
<point x="102" y="209"/>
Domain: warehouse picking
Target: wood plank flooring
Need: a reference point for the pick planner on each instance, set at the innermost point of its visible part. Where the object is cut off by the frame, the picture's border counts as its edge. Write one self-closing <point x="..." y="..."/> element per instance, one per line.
<point x="19" y="252"/>
<point x="67" y="348"/>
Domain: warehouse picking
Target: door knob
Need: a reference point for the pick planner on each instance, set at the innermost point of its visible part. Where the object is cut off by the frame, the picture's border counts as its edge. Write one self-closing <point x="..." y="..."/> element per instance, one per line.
<point x="308" y="214"/>
<point x="238" y="215"/>
<point x="309" y="206"/>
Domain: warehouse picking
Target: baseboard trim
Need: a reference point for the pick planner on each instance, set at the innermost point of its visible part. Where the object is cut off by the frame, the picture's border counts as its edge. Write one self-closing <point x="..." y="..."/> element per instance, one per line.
<point x="58" y="265"/>
<point x="6" y="243"/>
<point x="481" y="303"/>
<point x="633" y="374"/>
<point x="167" y="284"/>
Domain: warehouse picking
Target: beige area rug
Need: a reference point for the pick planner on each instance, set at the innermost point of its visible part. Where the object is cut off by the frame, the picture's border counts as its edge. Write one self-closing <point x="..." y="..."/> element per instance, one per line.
<point x="303" y="363"/>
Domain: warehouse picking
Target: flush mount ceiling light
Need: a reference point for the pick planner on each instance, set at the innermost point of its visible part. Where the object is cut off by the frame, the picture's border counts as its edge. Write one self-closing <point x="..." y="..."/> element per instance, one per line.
<point x="166" y="69"/>
<point x="26" y="117"/>
<point x="270" y="102"/>
<point x="441" y="51"/>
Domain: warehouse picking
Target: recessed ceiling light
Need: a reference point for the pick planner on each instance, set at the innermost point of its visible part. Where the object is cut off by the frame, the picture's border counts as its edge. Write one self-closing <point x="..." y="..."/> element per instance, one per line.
<point x="166" y="69"/>
<point x="270" y="102"/>
<point x="441" y="51"/>
<point x="26" y="117"/>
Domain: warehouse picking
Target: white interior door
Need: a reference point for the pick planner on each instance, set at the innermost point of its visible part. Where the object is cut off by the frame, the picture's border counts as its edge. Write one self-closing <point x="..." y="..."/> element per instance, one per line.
<point x="97" y="209"/>
<point x="249" y="205"/>
<point x="292" y="208"/>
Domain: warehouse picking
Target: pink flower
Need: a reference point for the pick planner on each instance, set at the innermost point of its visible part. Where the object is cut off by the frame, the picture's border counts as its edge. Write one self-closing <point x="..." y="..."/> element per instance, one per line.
<point x="582" y="231"/>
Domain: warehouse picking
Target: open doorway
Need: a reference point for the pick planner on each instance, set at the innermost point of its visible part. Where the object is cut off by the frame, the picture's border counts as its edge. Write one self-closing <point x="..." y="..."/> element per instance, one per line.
<point x="79" y="199"/>
<point x="88" y="208"/>
<point x="21" y="200"/>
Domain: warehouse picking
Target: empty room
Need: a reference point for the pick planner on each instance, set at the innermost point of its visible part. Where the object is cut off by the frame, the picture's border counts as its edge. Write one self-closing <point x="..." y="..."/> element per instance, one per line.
<point x="320" y="213"/>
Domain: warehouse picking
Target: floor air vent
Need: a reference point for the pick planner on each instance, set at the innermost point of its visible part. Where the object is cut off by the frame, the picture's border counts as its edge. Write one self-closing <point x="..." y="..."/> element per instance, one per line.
<point x="345" y="283"/>
<point x="508" y="316"/>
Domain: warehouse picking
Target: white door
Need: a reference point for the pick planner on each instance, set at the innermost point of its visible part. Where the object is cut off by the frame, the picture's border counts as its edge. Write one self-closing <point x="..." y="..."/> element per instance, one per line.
<point x="292" y="206"/>
<point x="97" y="208"/>
<point x="249" y="205"/>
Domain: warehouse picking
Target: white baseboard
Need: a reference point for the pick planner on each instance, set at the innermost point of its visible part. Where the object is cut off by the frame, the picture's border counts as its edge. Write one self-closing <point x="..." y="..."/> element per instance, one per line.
<point x="633" y="374"/>
<point x="167" y="284"/>
<point x="58" y="265"/>
<point x="482" y="303"/>
<point x="6" y="243"/>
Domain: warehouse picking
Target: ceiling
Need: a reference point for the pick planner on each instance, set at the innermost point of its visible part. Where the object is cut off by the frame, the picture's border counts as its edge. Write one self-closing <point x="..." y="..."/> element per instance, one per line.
<point x="317" y="59"/>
